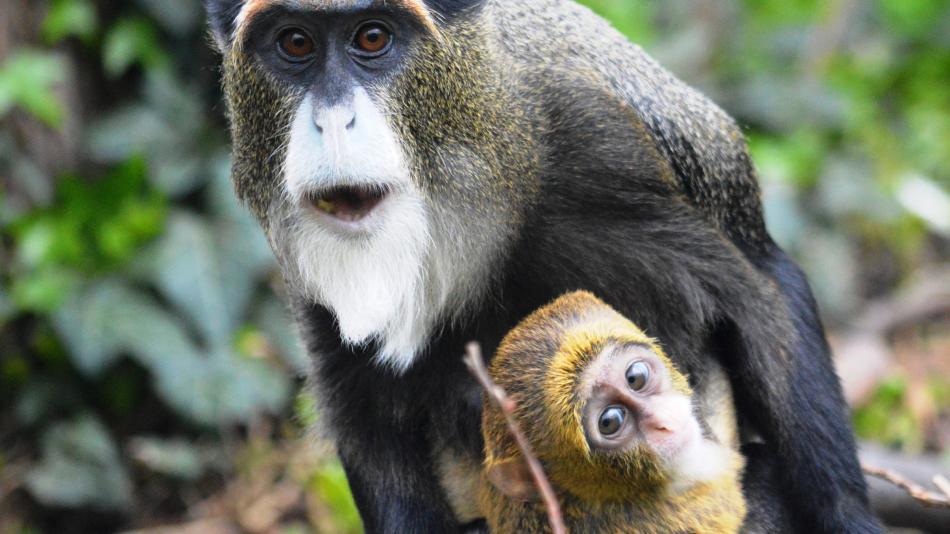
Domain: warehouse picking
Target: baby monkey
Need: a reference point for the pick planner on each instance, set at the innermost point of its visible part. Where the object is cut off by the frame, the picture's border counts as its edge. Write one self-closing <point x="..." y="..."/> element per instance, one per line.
<point x="612" y="422"/>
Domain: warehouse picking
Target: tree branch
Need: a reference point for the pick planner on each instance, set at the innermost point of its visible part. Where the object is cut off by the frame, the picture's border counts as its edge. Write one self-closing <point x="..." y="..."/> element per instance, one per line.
<point x="473" y="359"/>
<point x="919" y="493"/>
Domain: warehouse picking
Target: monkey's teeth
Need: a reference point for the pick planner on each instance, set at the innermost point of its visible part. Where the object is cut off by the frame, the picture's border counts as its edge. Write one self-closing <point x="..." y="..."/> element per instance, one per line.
<point x="348" y="203"/>
<point x="325" y="206"/>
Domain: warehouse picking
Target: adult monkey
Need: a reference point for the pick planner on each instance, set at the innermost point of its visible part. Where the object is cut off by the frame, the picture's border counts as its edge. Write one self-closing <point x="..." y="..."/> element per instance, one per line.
<point x="430" y="171"/>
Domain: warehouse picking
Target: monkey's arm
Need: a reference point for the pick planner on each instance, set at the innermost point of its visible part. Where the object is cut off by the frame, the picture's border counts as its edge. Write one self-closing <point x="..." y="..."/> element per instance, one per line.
<point x="821" y="473"/>
<point x="381" y="440"/>
<point x="394" y="486"/>
<point x="822" y="477"/>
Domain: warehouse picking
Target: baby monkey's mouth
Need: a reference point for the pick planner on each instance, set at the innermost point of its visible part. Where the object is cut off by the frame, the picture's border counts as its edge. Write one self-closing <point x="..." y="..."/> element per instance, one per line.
<point x="349" y="203"/>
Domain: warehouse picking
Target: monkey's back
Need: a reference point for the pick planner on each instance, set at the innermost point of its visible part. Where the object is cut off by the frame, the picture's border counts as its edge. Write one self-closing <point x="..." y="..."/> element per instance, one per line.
<point x="546" y="39"/>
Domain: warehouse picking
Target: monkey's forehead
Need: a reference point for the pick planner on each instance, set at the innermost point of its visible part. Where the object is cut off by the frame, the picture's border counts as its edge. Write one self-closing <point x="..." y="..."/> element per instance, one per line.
<point x="252" y="8"/>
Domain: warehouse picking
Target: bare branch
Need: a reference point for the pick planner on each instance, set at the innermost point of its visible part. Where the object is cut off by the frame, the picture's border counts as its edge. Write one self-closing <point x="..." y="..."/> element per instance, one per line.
<point x="919" y="493"/>
<point x="943" y="484"/>
<point x="473" y="359"/>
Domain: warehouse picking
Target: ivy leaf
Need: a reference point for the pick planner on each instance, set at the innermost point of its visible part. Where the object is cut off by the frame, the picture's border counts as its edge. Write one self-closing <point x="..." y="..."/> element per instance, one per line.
<point x="180" y="18"/>
<point x="172" y="457"/>
<point x="70" y="18"/>
<point x="185" y="266"/>
<point x="27" y="80"/>
<point x="131" y="41"/>
<point x="165" y="128"/>
<point x="110" y="318"/>
<point x="80" y="467"/>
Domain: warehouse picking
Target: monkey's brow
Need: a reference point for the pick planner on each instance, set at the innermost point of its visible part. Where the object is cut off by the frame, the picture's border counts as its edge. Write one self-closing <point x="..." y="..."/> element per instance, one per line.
<point x="617" y="346"/>
<point x="254" y="8"/>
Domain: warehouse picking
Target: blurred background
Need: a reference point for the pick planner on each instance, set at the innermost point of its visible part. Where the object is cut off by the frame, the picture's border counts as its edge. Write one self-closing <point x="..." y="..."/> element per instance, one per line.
<point x="149" y="375"/>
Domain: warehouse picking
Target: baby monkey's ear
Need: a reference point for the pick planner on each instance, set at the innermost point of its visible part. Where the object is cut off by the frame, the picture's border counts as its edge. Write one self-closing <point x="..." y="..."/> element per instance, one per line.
<point x="512" y="477"/>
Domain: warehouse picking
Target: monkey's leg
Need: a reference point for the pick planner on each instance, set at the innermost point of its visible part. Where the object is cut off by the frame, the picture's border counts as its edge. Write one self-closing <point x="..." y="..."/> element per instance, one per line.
<point x="810" y="437"/>
<point x="393" y="486"/>
<point x="835" y="460"/>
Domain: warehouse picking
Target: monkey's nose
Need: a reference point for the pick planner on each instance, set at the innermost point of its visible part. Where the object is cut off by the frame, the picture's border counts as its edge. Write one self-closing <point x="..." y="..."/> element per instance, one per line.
<point x="334" y="120"/>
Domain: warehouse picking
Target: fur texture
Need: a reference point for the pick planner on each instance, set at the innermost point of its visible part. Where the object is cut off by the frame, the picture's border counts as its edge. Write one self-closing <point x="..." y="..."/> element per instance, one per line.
<point x="540" y="363"/>
<point x="549" y="154"/>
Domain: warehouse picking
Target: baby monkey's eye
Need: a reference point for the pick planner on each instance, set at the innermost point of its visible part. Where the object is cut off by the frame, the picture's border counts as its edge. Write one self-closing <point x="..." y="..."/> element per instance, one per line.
<point x="638" y="374"/>
<point x="295" y="44"/>
<point x="373" y="39"/>
<point x="611" y="420"/>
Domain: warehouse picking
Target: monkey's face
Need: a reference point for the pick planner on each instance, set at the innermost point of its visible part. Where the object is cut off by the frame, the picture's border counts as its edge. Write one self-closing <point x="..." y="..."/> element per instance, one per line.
<point x="631" y="408"/>
<point x="376" y="148"/>
<point x="639" y="423"/>
<point x="630" y="405"/>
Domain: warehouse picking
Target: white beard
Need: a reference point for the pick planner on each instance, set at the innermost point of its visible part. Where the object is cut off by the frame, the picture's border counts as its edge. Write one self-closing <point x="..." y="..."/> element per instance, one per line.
<point x="389" y="282"/>
<point x="378" y="285"/>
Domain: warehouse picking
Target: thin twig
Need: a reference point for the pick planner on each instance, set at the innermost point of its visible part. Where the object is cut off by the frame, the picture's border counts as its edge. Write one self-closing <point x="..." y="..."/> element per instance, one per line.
<point x="473" y="359"/>
<point x="919" y="493"/>
<point x="943" y="484"/>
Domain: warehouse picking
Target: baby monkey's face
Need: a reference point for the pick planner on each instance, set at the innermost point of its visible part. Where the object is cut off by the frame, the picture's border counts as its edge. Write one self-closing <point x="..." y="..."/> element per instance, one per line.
<point x="630" y="404"/>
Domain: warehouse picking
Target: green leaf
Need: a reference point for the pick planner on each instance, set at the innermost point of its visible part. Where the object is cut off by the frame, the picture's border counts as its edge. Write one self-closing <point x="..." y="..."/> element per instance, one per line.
<point x="99" y="322"/>
<point x="131" y="41"/>
<point x="223" y="388"/>
<point x="44" y="289"/>
<point x="180" y="18"/>
<point x="330" y="483"/>
<point x="187" y="269"/>
<point x="633" y="18"/>
<point x="912" y="17"/>
<point x="209" y="273"/>
<point x="172" y="457"/>
<point x="80" y="467"/>
<point x="164" y="131"/>
<point x="27" y="80"/>
<point x="109" y="318"/>
<point x="70" y="18"/>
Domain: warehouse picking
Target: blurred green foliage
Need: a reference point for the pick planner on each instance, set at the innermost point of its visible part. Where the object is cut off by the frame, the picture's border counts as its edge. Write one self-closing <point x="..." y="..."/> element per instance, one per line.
<point x="139" y="330"/>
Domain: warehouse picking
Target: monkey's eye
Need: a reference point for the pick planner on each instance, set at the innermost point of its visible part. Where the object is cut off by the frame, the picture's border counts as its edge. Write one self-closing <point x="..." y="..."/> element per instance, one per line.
<point x="611" y="420"/>
<point x="373" y="39"/>
<point x="295" y="45"/>
<point x="638" y="374"/>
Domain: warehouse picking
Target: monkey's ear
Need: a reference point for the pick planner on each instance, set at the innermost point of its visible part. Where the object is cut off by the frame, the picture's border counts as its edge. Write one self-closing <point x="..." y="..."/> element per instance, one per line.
<point x="449" y="9"/>
<point x="222" y="15"/>
<point x="512" y="476"/>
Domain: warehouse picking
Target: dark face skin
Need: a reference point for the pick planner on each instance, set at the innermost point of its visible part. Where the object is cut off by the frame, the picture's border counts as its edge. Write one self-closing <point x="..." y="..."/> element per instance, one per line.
<point x="630" y="400"/>
<point x="328" y="54"/>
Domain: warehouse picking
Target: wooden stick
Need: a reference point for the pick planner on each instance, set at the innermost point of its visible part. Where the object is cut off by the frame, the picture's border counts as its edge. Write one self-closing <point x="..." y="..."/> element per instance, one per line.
<point x="919" y="493"/>
<point x="473" y="359"/>
<point x="943" y="484"/>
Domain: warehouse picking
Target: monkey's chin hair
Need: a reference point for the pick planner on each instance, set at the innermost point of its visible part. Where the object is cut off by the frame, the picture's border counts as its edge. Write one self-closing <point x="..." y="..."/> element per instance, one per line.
<point x="387" y="285"/>
<point x="373" y="283"/>
<point x="702" y="461"/>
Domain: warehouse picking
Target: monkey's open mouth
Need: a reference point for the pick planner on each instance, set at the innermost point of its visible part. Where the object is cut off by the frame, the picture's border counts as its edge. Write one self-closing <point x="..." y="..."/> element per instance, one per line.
<point x="348" y="203"/>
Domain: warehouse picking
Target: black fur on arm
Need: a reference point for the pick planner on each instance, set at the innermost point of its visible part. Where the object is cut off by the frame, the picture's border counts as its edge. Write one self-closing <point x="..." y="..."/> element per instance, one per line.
<point x="789" y="391"/>
<point x="380" y="427"/>
<point x="818" y="465"/>
<point x="812" y="438"/>
<point x="393" y="484"/>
